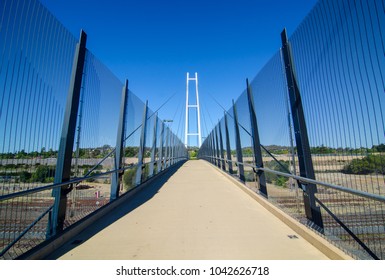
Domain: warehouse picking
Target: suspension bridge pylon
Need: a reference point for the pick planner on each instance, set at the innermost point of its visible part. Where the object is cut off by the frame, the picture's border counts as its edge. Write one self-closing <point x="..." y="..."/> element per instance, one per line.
<point x="192" y="107"/>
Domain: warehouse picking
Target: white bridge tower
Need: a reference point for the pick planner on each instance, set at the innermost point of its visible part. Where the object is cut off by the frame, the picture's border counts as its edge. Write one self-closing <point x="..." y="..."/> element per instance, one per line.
<point x="193" y="107"/>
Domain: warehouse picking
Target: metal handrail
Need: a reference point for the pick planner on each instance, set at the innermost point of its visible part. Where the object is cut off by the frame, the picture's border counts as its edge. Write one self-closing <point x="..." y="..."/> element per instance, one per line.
<point x="376" y="197"/>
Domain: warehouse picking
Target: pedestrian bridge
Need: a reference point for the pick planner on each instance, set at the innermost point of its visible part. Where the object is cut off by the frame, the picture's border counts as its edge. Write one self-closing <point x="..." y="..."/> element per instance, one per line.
<point x="195" y="211"/>
<point x="295" y="167"/>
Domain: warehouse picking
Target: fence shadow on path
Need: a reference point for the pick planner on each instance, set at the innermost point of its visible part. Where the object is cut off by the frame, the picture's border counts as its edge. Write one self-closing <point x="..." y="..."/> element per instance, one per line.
<point x="138" y="199"/>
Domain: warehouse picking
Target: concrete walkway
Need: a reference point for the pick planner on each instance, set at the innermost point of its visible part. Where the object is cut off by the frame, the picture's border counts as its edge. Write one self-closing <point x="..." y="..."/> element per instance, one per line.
<point x="197" y="214"/>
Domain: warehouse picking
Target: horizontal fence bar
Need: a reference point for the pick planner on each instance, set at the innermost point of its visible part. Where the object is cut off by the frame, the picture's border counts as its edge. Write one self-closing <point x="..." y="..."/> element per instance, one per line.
<point x="306" y="180"/>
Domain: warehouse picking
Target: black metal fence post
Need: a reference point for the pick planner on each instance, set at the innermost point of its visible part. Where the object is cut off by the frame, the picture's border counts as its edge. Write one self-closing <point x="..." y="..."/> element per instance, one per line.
<point x="165" y="162"/>
<point x="218" y="161"/>
<point x="117" y="176"/>
<point x="172" y="149"/>
<point x="64" y="160"/>
<point x="153" y="146"/>
<point x="241" y="168"/>
<point x="221" y="147"/>
<point x="142" y="146"/>
<point x="256" y="142"/>
<point x="228" y="147"/>
<point x="214" y="147"/>
<point x="313" y="212"/>
<point x="160" y="155"/>
<point x="212" y="154"/>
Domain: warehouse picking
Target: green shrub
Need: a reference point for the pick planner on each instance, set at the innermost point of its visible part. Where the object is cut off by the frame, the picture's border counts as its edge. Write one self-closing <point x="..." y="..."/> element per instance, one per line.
<point x="274" y="178"/>
<point x="43" y="174"/>
<point x="25" y="176"/>
<point x="367" y="165"/>
<point x="131" y="151"/>
<point x="92" y="174"/>
<point x="145" y="171"/>
<point x="249" y="176"/>
<point x="193" y="154"/>
<point x="128" y="178"/>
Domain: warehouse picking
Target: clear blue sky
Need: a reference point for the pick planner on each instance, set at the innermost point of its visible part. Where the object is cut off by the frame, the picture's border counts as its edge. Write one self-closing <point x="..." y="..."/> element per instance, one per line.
<point x="154" y="43"/>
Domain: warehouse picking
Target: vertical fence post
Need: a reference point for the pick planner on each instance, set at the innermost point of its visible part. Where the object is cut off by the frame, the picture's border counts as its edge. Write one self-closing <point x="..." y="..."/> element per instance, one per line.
<point x="313" y="212"/>
<point x="178" y="155"/>
<point x="221" y="147"/>
<point x="241" y="171"/>
<point x="256" y="142"/>
<point x="209" y="147"/>
<point x="213" y="147"/>
<point x="153" y="147"/>
<point x="217" y="147"/>
<point x="166" y="149"/>
<point x="177" y="150"/>
<point x="168" y="153"/>
<point x="117" y="176"/>
<point x="64" y="160"/>
<point x="228" y="147"/>
<point x="139" y="171"/>
<point x="171" y="148"/>
<point x="160" y="155"/>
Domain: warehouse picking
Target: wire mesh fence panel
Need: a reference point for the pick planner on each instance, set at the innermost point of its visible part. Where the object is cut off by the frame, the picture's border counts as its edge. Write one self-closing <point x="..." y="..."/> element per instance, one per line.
<point x="36" y="55"/>
<point x="223" y="138"/>
<point x="364" y="217"/>
<point x="149" y="134"/>
<point x="167" y="147"/>
<point x="133" y="128"/>
<point x="23" y="223"/>
<point x="95" y="136"/>
<point x="242" y="107"/>
<point x="231" y="128"/>
<point x="35" y="67"/>
<point x="275" y="132"/>
<point x="158" y="146"/>
<point x="86" y="197"/>
<point x="338" y="53"/>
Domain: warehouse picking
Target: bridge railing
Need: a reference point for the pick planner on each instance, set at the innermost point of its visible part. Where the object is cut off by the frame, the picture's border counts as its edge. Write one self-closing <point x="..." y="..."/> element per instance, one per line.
<point x="316" y="110"/>
<point x="73" y="136"/>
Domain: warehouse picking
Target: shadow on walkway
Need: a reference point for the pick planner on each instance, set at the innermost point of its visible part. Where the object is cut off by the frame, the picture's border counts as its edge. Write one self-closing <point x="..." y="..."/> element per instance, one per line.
<point x="138" y="199"/>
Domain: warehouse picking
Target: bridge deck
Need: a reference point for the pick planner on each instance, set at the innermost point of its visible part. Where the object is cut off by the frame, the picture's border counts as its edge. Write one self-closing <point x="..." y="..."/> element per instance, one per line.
<point x="198" y="213"/>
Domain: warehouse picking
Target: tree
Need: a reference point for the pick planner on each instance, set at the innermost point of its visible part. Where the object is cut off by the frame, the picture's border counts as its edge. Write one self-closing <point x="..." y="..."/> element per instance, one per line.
<point x="95" y="153"/>
<point x="379" y="148"/>
<point x="193" y="154"/>
<point x="322" y="150"/>
<point x="25" y="176"/>
<point x="82" y="153"/>
<point x="131" y="151"/>
<point x="22" y="154"/>
<point x="247" y="151"/>
<point x="42" y="174"/>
